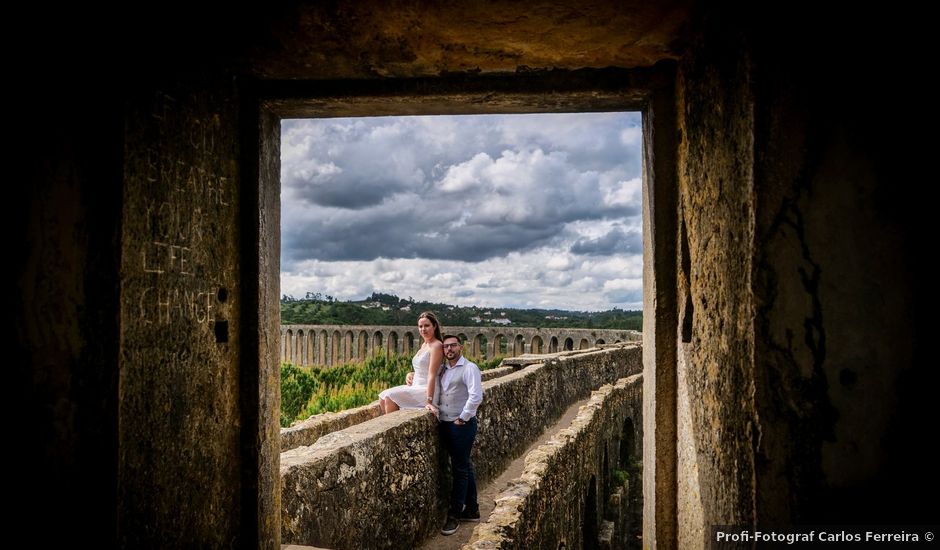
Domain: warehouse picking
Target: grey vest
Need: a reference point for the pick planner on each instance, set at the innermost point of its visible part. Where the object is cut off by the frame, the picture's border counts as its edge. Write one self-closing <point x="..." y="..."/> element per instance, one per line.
<point x="454" y="396"/>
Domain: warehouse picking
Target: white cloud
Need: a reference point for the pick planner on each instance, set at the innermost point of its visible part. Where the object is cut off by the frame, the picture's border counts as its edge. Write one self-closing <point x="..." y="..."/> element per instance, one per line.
<point x="622" y="193"/>
<point x="560" y="263"/>
<point x="631" y="136"/>
<point x="392" y="277"/>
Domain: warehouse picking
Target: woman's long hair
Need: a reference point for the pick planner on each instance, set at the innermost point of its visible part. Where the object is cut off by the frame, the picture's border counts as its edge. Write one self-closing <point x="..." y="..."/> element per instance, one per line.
<point x="437" y="325"/>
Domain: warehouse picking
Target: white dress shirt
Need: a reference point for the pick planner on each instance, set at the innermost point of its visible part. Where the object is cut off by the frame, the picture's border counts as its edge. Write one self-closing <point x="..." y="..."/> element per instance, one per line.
<point x="471" y="378"/>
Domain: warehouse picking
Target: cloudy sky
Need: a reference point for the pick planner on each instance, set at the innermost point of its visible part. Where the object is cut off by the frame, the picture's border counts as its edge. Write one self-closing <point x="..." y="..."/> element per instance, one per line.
<point x="493" y="210"/>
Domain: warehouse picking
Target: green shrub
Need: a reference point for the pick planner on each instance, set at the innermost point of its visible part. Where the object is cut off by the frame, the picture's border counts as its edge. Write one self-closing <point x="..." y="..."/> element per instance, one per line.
<point x="314" y="390"/>
<point x="297" y="386"/>
<point x="486" y="364"/>
<point x="621" y="477"/>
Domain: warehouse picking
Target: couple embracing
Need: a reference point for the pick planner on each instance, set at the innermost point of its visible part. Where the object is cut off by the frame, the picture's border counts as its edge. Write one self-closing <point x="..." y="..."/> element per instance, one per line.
<point x="447" y="384"/>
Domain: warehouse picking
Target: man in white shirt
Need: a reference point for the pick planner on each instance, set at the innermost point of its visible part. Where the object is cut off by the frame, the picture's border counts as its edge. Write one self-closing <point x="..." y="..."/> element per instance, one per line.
<point x="461" y="392"/>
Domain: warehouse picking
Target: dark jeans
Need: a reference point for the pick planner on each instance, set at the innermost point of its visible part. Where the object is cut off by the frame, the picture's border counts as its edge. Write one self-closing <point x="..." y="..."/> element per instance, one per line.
<point x="457" y="441"/>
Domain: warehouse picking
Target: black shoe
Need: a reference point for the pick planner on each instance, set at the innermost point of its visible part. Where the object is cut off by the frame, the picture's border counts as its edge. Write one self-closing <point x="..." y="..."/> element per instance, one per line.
<point x="467" y="515"/>
<point x="450" y="526"/>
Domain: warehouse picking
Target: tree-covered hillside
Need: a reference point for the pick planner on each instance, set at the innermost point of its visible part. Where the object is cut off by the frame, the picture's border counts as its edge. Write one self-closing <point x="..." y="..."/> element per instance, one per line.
<point x="388" y="309"/>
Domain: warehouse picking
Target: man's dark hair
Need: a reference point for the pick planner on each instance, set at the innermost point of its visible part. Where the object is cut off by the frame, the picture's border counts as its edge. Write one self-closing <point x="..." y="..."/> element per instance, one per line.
<point x="446" y="336"/>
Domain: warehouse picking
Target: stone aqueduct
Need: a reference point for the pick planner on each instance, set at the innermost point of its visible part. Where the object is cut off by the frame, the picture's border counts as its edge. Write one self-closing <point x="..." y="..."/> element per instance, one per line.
<point x="335" y="344"/>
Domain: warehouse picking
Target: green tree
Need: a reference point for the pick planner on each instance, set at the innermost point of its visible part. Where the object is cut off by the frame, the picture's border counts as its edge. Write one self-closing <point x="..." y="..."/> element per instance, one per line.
<point x="297" y="386"/>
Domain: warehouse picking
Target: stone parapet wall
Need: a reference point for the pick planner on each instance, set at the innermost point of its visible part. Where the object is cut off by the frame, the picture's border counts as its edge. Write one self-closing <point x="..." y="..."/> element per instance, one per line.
<point x="335" y="491"/>
<point x="318" y="425"/>
<point x="518" y="407"/>
<point x="310" y="430"/>
<point x="492" y="374"/>
<point x="550" y="504"/>
<point x="374" y="485"/>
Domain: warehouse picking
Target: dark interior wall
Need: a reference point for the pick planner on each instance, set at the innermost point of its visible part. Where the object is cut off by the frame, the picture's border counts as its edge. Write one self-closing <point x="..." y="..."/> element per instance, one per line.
<point x="802" y="339"/>
<point x="65" y="216"/>
<point x="128" y="427"/>
<point x="841" y="370"/>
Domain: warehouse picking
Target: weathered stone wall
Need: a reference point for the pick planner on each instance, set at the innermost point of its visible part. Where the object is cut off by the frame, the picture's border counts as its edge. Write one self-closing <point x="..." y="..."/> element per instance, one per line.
<point x="519" y="407"/>
<point x="843" y="382"/>
<point x="181" y="321"/>
<point x="794" y="270"/>
<point x="716" y="418"/>
<point x="318" y="425"/>
<point x="492" y="374"/>
<point x="348" y="465"/>
<point x="660" y="184"/>
<point x="378" y="484"/>
<point x="559" y="500"/>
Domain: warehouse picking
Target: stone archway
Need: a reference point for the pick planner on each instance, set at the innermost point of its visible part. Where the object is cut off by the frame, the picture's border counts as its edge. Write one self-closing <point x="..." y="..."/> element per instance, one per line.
<point x="590" y="524"/>
<point x="348" y="348"/>
<point x="336" y="348"/>
<point x="362" y="345"/>
<point x="518" y="345"/>
<point x="478" y="346"/>
<point x="377" y="339"/>
<point x="499" y="346"/>
<point x="536" y="344"/>
<point x="392" y="343"/>
<point x="289" y="346"/>
<point x="323" y="347"/>
<point x="310" y="343"/>
<point x="409" y="343"/>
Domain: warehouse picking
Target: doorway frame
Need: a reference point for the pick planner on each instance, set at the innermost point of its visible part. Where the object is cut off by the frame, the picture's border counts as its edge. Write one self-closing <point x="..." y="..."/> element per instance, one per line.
<point x="650" y="91"/>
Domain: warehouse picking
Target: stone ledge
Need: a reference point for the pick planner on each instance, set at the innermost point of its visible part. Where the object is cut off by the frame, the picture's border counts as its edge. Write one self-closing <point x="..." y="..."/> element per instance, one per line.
<point x="336" y="492"/>
<point x="497" y="372"/>
<point x="315" y="427"/>
<point x="542" y="507"/>
<point x="524" y="360"/>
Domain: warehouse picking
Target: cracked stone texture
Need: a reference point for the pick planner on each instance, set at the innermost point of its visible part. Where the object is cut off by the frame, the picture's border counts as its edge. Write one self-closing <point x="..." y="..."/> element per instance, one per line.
<point x="834" y="301"/>
<point x="180" y="431"/>
<point x="546" y="506"/>
<point x="405" y="39"/>
<point x="374" y="485"/>
<point x="716" y="413"/>
<point x="793" y="275"/>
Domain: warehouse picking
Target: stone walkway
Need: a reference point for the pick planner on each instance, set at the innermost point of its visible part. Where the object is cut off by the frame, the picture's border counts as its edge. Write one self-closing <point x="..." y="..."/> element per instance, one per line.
<point x="488" y="493"/>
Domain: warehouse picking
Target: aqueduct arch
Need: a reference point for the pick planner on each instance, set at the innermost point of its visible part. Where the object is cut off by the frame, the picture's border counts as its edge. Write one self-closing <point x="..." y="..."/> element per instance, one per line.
<point x="479" y="342"/>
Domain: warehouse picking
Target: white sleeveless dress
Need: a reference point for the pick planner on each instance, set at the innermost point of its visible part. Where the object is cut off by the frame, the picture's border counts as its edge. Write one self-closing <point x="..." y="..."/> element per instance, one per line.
<point x="415" y="395"/>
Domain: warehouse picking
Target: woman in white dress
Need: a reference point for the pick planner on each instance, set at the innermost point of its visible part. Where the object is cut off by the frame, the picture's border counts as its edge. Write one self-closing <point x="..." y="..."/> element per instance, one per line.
<point x="422" y="383"/>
